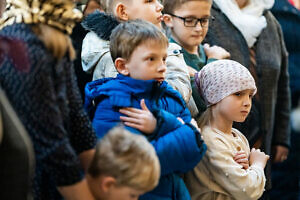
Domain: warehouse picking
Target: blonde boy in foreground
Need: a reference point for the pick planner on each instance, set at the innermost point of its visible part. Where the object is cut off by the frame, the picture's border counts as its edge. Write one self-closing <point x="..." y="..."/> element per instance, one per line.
<point x="124" y="167"/>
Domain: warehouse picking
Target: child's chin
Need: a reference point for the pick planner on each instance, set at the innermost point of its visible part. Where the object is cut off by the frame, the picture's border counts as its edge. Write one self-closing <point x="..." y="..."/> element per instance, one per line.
<point x="241" y="120"/>
<point x="158" y="25"/>
<point x="160" y="80"/>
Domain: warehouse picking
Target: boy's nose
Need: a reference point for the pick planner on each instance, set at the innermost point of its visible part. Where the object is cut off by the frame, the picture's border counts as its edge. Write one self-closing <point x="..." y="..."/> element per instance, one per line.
<point x="162" y="68"/>
<point x="159" y="6"/>
<point x="198" y="26"/>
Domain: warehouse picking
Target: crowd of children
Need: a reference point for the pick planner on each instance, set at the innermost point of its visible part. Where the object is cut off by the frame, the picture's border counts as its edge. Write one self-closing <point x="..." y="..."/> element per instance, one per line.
<point x="161" y="104"/>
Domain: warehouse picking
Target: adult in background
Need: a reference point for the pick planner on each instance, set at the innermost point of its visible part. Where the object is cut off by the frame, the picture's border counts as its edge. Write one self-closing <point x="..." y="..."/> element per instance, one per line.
<point x="2" y="6"/>
<point x="16" y="155"/>
<point x="286" y="175"/>
<point x="46" y="97"/>
<point x="77" y="37"/>
<point x="253" y="37"/>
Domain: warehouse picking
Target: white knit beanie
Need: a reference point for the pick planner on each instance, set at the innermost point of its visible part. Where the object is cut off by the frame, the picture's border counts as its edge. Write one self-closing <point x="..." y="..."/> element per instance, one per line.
<point x="221" y="78"/>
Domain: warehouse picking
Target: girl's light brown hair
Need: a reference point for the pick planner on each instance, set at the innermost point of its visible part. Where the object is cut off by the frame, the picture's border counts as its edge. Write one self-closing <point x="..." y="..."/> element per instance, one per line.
<point x="205" y="118"/>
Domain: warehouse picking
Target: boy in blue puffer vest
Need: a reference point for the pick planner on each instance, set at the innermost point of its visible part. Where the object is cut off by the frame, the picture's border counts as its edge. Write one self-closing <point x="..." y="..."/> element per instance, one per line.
<point x="147" y="105"/>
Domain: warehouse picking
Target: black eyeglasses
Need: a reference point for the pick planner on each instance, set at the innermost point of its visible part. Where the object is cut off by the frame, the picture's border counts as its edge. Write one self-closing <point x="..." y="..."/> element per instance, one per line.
<point x="192" y="22"/>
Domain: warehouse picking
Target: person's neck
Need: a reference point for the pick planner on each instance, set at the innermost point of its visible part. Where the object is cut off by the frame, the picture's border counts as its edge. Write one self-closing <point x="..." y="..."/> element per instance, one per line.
<point x="93" y="184"/>
<point x="221" y="124"/>
<point x="242" y="3"/>
<point x="189" y="49"/>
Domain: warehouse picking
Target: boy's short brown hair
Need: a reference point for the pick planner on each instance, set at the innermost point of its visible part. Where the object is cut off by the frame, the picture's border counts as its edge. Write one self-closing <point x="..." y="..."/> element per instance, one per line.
<point x="171" y="5"/>
<point x="108" y="5"/>
<point x="127" y="157"/>
<point x="130" y="34"/>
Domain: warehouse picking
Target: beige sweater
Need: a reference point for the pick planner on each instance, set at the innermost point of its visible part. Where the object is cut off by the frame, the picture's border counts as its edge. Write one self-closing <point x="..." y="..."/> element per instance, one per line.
<point x="218" y="176"/>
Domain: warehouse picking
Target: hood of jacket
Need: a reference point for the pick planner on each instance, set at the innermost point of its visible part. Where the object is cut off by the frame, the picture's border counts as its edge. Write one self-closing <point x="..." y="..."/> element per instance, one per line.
<point x="96" y="42"/>
<point x="100" y="23"/>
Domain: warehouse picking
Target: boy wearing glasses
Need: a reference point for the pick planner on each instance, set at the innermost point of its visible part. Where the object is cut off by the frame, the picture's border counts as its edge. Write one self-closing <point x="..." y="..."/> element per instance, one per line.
<point x="188" y="22"/>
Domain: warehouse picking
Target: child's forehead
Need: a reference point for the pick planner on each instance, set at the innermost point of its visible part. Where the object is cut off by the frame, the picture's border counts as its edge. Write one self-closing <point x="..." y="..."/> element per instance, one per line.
<point x="194" y="6"/>
<point x="152" y="47"/>
<point x="154" y="43"/>
<point x="250" y="90"/>
<point x="181" y="4"/>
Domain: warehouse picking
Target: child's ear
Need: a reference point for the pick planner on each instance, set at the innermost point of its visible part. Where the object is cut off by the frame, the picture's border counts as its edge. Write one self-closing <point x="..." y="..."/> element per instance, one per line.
<point x="168" y="20"/>
<point x="120" y="64"/>
<point x="120" y="12"/>
<point x="107" y="183"/>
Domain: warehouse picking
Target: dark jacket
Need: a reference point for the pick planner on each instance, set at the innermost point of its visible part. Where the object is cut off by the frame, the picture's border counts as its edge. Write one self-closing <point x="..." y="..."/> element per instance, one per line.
<point x="269" y="119"/>
<point x="16" y="155"/>
<point x="286" y="175"/>
<point x="47" y="100"/>
<point x="178" y="146"/>
<point x="289" y="19"/>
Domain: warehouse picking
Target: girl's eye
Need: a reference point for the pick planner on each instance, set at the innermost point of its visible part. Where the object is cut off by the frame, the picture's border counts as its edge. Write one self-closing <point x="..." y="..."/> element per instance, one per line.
<point x="238" y="94"/>
<point x="164" y="59"/>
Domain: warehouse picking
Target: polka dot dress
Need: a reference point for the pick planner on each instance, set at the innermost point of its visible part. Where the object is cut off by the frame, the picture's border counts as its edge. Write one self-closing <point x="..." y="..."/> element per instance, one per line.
<point x="47" y="100"/>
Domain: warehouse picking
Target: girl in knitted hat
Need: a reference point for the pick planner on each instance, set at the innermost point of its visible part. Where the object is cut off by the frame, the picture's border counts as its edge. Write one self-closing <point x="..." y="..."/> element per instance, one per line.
<point x="228" y="170"/>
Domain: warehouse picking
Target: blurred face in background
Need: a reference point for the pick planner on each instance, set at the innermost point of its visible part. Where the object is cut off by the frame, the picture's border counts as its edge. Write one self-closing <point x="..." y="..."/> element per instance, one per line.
<point x="91" y="6"/>
<point x="297" y="4"/>
<point x="242" y="3"/>
<point x="2" y="6"/>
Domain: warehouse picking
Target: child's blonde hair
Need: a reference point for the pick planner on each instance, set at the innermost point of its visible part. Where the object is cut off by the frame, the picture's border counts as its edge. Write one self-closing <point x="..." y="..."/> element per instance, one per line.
<point x="205" y="118"/>
<point x="127" y="157"/>
<point x="127" y="36"/>
<point x="171" y="5"/>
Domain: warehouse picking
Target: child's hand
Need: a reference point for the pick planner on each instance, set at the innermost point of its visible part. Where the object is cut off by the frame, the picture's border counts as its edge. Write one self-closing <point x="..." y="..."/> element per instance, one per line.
<point x="258" y="158"/>
<point x="181" y="120"/>
<point x="194" y="123"/>
<point x="192" y="71"/>
<point x="141" y="119"/>
<point x="216" y="52"/>
<point x="242" y="159"/>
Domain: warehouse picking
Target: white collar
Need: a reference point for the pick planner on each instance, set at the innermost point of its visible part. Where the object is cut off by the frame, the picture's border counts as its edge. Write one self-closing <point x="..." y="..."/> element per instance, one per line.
<point x="248" y="20"/>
